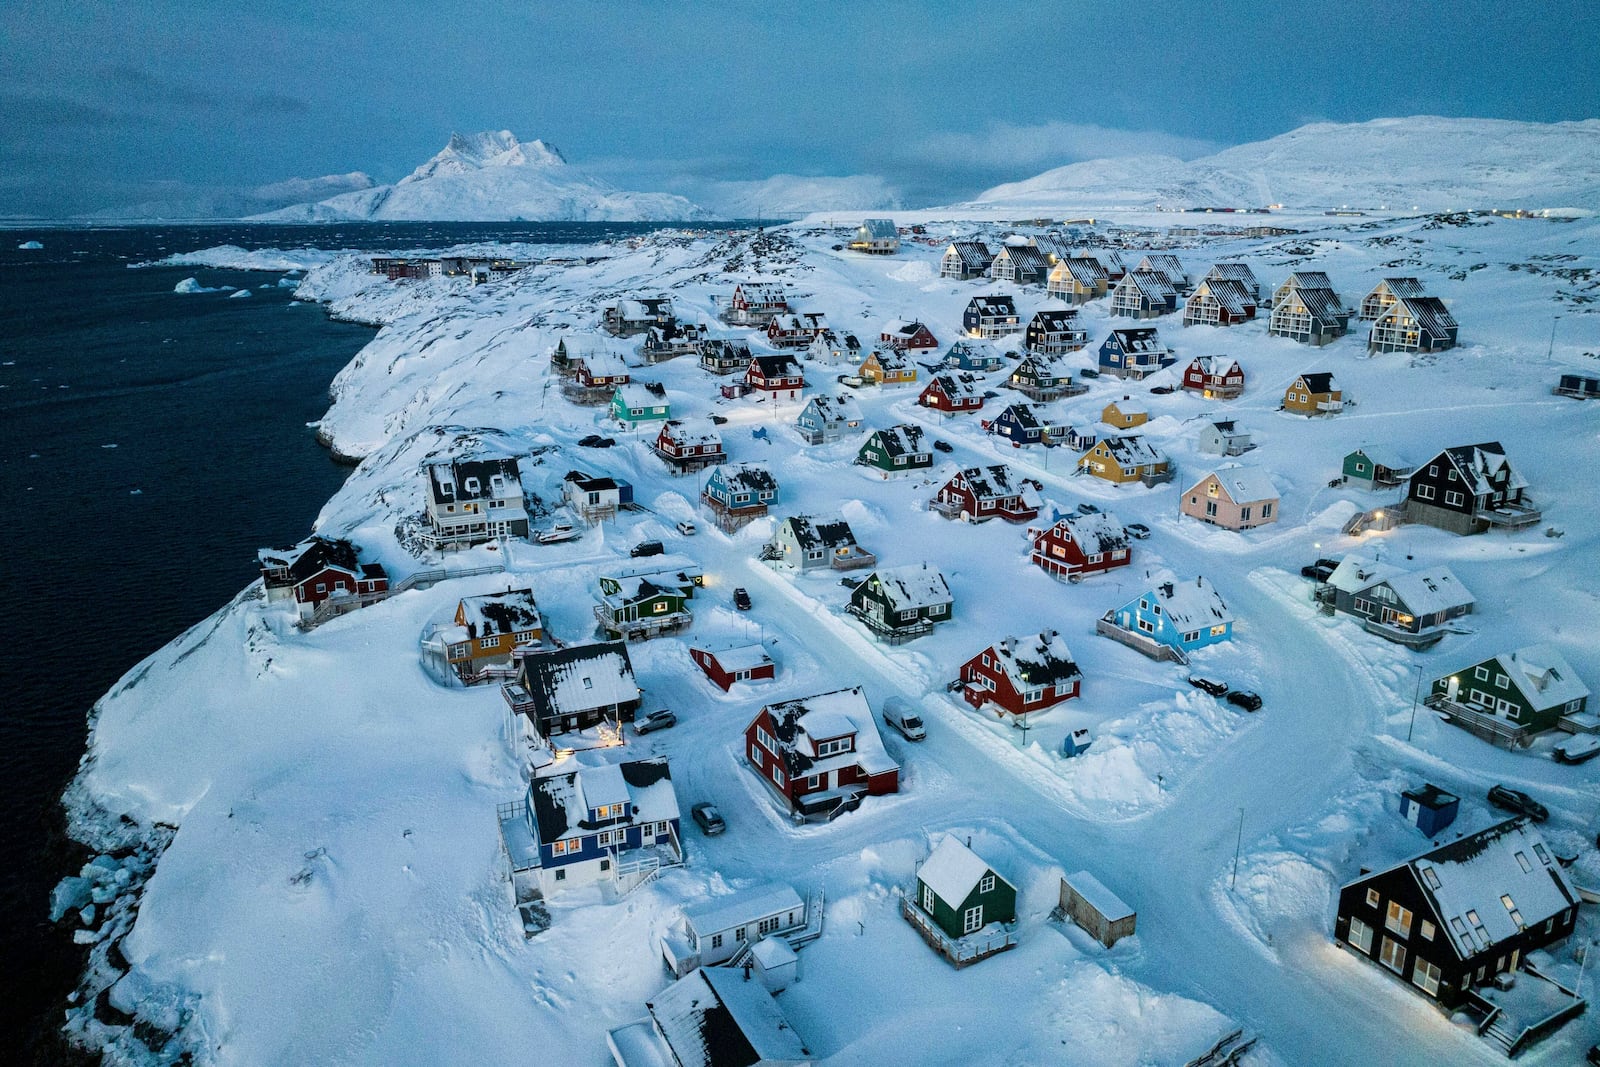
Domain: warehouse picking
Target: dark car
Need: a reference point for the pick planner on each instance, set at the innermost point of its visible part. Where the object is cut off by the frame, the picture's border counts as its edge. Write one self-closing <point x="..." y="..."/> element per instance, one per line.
<point x="1519" y="802"/>
<point x="708" y="818"/>
<point x="990" y="394"/>
<point x="656" y="720"/>
<point x="1210" y="685"/>
<point x="1162" y="390"/>
<point x="741" y="598"/>
<point x="1243" y="698"/>
<point x="720" y="420"/>
<point x="1593" y="1055"/>
<point x="1087" y="508"/>
<point x="1316" y="572"/>
<point x="1088" y="372"/>
<point x="1137" y="529"/>
<point x="944" y="446"/>
<point x="594" y="440"/>
<point x="647" y="548"/>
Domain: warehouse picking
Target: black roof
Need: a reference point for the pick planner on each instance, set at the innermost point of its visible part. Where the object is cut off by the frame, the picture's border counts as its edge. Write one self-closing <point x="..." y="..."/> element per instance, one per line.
<point x="542" y="671"/>
<point x="454" y="488"/>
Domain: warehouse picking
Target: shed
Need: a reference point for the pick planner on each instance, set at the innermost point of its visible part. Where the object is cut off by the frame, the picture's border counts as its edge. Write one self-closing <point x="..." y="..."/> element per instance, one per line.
<point x="1096" y="908"/>
<point x="1429" y="808"/>
<point x="775" y="963"/>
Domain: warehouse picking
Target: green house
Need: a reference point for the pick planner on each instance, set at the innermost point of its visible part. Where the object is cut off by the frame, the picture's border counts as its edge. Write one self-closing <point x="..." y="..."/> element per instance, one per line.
<point x="896" y="450"/>
<point x="962" y="893"/>
<point x="641" y="606"/>
<point x="636" y="402"/>
<point x="1529" y="690"/>
<point x="1376" y="468"/>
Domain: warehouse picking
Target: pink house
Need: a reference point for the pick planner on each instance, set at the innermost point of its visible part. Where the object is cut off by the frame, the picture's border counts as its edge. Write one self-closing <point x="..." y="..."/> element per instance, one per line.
<point x="1234" y="497"/>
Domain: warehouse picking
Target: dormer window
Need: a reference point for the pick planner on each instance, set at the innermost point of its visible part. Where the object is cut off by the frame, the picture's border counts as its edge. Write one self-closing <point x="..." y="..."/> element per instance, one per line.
<point x="473" y="486"/>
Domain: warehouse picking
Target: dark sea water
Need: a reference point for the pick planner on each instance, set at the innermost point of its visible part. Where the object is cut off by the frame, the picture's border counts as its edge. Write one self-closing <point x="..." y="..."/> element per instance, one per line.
<point x="150" y="442"/>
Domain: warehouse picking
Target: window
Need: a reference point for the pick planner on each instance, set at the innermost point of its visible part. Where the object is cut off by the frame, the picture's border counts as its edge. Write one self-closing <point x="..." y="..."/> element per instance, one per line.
<point x="972" y="919"/>
<point x="1427" y="930"/>
<point x="487" y="643"/>
<point x="1481" y="673"/>
<point x="1360" y="935"/>
<point x="1211" y="508"/>
<point x="1522" y="858"/>
<point x="927" y="899"/>
<point x="755" y="754"/>
<point x="1244" y="514"/>
<point x="1453" y="499"/>
<point x="1191" y="637"/>
<point x="738" y="935"/>
<point x="777" y="777"/>
<point x="1502" y="682"/>
<point x="1266" y="510"/>
<point x="1393" y="955"/>
<point x="558" y="848"/>
<point x="561" y="875"/>
<point x="987" y="884"/>
<point x="1424" y="492"/>
<point x="1430" y="876"/>
<point x="1433" y="470"/>
<point x="1426" y="977"/>
<point x="766" y="926"/>
<point x="716" y="940"/>
<point x="1372" y="898"/>
<point x="1398" y="919"/>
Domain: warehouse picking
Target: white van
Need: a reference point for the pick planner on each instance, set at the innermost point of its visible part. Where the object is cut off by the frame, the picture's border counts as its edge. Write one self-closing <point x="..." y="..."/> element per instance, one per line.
<point x="685" y="527"/>
<point x="899" y="713"/>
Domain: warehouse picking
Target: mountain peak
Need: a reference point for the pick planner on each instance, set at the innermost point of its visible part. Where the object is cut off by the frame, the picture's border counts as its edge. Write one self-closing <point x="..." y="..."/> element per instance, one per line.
<point x="490" y="148"/>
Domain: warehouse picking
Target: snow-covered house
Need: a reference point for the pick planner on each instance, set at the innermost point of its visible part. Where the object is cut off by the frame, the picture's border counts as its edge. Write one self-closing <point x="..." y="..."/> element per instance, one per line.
<point x="320" y="569"/>
<point x="1236" y="272"/>
<point x="1124" y="414"/>
<point x="1577" y="386"/>
<point x="1143" y="294"/>
<point x="712" y="932"/>
<point x="1461" y="913"/>
<point x="595" y="497"/>
<point x="1314" y="394"/>
<point x="1414" y="324"/>
<point x="1021" y="263"/>
<point x="486" y="631"/>
<point x="1376" y="467"/>
<point x="1412" y="608"/>
<point x="965" y="259"/>
<point x="885" y="366"/>
<point x="1234" y="497"/>
<point x="1023" y="425"/>
<point x="960" y="905"/>
<point x="628" y="317"/>
<point x="795" y="331"/>
<point x="1127" y="458"/>
<point x="1054" y="332"/>
<point x="1518" y="694"/>
<point x="599" y="372"/>
<point x="1077" y="280"/>
<point x="1213" y="377"/>
<point x="1040" y="377"/>
<point x="1468" y="489"/>
<point x="637" y="402"/>
<point x="1169" y="267"/>
<point x="1021" y="675"/>
<point x="736" y="493"/>
<point x="722" y="356"/>
<point x="900" y="603"/>
<point x="1305" y="308"/>
<point x="1080" y="545"/>
<point x="990" y="316"/>
<point x="876" y="237"/>
<point x="905" y="336"/>
<point x="778" y="377"/>
<point x="828" y="418"/>
<point x="617" y="823"/>
<point x="896" y="450"/>
<point x="734" y="663"/>
<point x="1134" y="353"/>
<point x="972" y="357"/>
<point x="1387" y="293"/>
<point x="641" y="606"/>
<point x="978" y="494"/>
<point x="820" y="755"/>
<point x="1219" y="302"/>
<point x="952" y="392"/>
<point x="562" y="690"/>
<point x="753" y="303"/>
<point x="474" y="501"/>
<point x="672" y="340"/>
<point x="806" y="543"/>
<point x="1179" y="615"/>
<point x="711" y="1017"/>
<point x="1108" y="258"/>
<point x="690" y="445"/>
<point x="1223" y="437"/>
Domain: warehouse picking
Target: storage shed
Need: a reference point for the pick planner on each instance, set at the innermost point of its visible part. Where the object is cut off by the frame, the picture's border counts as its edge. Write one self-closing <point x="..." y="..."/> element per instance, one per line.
<point x="1429" y="808"/>
<point x="1095" y="908"/>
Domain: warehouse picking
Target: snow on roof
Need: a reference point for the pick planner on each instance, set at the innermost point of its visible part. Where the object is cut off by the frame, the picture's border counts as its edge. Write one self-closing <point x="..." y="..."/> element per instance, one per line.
<point x="1400" y="287"/>
<point x="716" y="1017"/>
<point x="776" y="366"/>
<point x="902" y="439"/>
<point x="1055" y="320"/>
<point x="991" y="482"/>
<point x="1027" y="259"/>
<point x="500" y="613"/>
<point x="1101" y="899"/>
<point x="1238" y="272"/>
<point x="1100" y="532"/>
<point x="1151" y="285"/>
<point x="762" y="293"/>
<point x="955" y="385"/>
<point x="564" y="681"/>
<point x="1132" y="450"/>
<point x="742" y="907"/>
<point x="952" y="870"/>
<point x="749" y="476"/>
<point x="1482" y="463"/>
<point x="1243" y="484"/>
<point x="792" y="721"/>
<point x="1084" y="271"/>
<point x="913" y="586"/>
<point x="1386" y="456"/>
<point x="1139" y="339"/>
<point x="829" y="533"/>
<point x="1428" y="312"/>
<point x="972" y="253"/>
<point x="638" y="395"/>
<point x="1036" y="660"/>
<point x="1429" y="591"/>
<point x="997" y="304"/>
<point x="835" y="408"/>
<point x="1192" y="605"/>
<point x="562" y="802"/>
<point x="1318" y="382"/>
<point x="474" y="479"/>
<point x="1358" y="571"/>
<point x="1230" y="295"/>
<point x="880" y="229"/>
<point x="1543" y="676"/>
<point x="1307" y="279"/>
<point x="1164" y="263"/>
<point x="693" y="432"/>
<point x="1213" y="366"/>
<point x="739" y="657"/>
<point x="772" y="952"/>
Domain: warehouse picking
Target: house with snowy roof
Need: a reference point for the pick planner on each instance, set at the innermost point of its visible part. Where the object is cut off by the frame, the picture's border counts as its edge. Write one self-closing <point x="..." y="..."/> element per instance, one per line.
<point x="806" y="543"/>
<point x="1134" y="353"/>
<point x="637" y="402"/>
<point x="952" y="392"/>
<point x="576" y="687"/>
<point x="597" y="373"/>
<point x="1124" y="414"/>
<point x="990" y="316"/>
<point x="615" y="824"/>
<point x="641" y="606"/>
<point x="1169" y="267"/>
<point x="1236" y="272"/>
<point x="1413" y="608"/>
<point x="1040" y="377"/>
<point x="1305" y="308"/>
<point x="1448" y="921"/>
<point x="1387" y="293"/>
<point x="1077" y="280"/>
<point x="820" y="755"/>
<point x="595" y="497"/>
<point x="1179" y="615"/>
<point x="1021" y="675"/>
<point x="776" y="377"/>
<point x="715" y="931"/>
<point x="901" y="603"/>
<point x="485" y="631"/>
<point x="671" y="340"/>
<point x="1376" y="467"/>
<point x="1077" y="546"/>
<point x="973" y="357"/>
<point x="1021" y="263"/>
<point x="885" y="366"/>
<point x="1023" y="425"/>
<point x="829" y="347"/>
<point x="737" y="493"/>
<point x="628" y="317"/>
<point x="1313" y="394"/>
<point x="1414" y="324"/>
<point x="1234" y="497"/>
<point x="1223" y="437"/>
<point x="1126" y="458"/>
<point x="319" y="570"/>
<point x="978" y="494"/>
<point x="720" y="356"/>
<point x="1108" y="258"/>
<point x="828" y="417"/>
<point x="794" y="331"/>
<point x="690" y="445"/>
<point x="896" y="450"/>
<point x="903" y="336"/>
<point x="1054" y="332"/>
<point x="754" y="303"/>
<point x="965" y="259"/>
<point x="1512" y="696"/>
<point x="734" y="663"/>
<point x="474" y="501"/>
<point x="1219" y="302"/>
<point x="1213" y="377"/>
<point x="877" y="237"/>
<point x="1468" y="489"/>
<point x="1143" y="294"/>
<point x="711" y="1017"/>
<point x="960" y="905"/>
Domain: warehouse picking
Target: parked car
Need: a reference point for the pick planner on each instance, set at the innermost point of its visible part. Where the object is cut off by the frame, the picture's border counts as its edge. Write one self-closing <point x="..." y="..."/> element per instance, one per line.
<point x="902" y="715"/>
<point x="990" y="394"/>
<point x="850" y="583"/>
<point x="1519" y="802"/>
<point x="1137" y="529"/>
<point x="1162" y="390"/>
<point x="1578" y="748"/>
<point x="741" y="598"/>
<point x="1087" y="508"/>
<point x="1243" y="698"/>
<point x="1593" y="1055"/>
<point x="656" y="720"/>
<point x="944" y="446"/>
<point x="686" y="527"/>
<point x="1316" y="572"/>
<point x="1088" y="372"/>
<point x="1210" y="685"/>
<point x="719" y="420"/>
<point x="647" y="548"/>
<point x="594" y="440"/>
<point x="708" y="818"/>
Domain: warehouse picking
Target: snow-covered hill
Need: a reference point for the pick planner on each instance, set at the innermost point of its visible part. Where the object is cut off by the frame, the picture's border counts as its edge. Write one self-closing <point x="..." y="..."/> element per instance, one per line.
<point x="792" y="196"/>
<point x="493" y="177"/>
<point x="1426" y="162"/>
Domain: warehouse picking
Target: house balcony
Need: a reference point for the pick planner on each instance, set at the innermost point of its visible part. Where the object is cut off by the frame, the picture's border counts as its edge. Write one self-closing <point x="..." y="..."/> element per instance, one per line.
<point x="522" y="851"/>
<point x="852" y="558"/>
<point x="1106" y="626"/>
<point x="619" y="628"/>
<point x="1157" y="476"/>
<point x="1480" y="723"/>
<point x="964" y="951"/>
<point x="518" y="699"/>
<point x="892" y="633"/>
<point x="1509" y="516"/>
<point x="1330" y="407"/>
<point x="1425" y="637"/>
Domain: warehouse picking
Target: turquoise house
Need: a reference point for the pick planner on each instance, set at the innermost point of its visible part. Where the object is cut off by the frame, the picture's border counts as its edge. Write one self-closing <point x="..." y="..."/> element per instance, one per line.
<point x="1184" y="615"/>
<point x="637" y="402"/>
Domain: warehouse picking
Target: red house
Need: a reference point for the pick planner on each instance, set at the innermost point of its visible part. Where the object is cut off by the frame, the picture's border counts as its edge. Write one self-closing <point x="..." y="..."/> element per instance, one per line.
<point x="820" y="754"/>
<point x="755" y="303"/>
<point x="778" y="377"/>
<point x="1214" y="377"/>
<point x="741" y="663"/>
<point x="601" y="370"/>
<point x="952" y="392"/>
<point x="317" y="570"/>
<point x="690" y="445"/>
<point x="978" y="494"/>
<point x="908" y="337"/>
<point x="1021" y="675"/>
<point x="1081" y="545"/>
<point x="795" y="331"/>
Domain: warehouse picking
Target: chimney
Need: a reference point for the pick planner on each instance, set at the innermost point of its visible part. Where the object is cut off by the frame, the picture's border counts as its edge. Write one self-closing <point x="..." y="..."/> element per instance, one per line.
<point x="1166" y="590"/>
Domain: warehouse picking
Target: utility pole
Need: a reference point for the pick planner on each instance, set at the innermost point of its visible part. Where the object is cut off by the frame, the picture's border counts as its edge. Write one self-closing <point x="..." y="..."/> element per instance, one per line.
<point x="1237" y="842"/>
<point x="1549" y="352"/>
<point x="1416" y="695"/>
<point x="1022" y="721"/>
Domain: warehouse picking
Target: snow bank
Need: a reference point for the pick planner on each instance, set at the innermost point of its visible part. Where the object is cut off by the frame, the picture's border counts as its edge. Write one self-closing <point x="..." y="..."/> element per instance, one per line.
<point x="232" y="257"/>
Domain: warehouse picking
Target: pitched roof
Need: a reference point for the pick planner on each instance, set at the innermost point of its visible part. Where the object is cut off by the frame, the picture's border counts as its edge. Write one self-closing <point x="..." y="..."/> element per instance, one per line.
<point x="1086" y="272"/>
<point x="990" y="482"/>
<point x="913" y="586"/>
<point x="1238" y="272"/>
<point x="1400" y="287"/>
<point x="1244" y="484"/>
<point x="750" y="476"/>
<point x="1192" y="605"/>
<point x="956" y="386"/>
<point x="693" y="432"/>
<point x="880" y="229"/>
<point x="762" y="293"/>
<point x="1542" y="675"/>
<point x="562" y="802"/>
<point x="1166" y="264"/>
<point x="715" y="1017"/>
<point x="745" y="905"/>
<point x="1428" y="591"/>
<point x="1152" y="286"/>
<point x="474" y="479"/>
<point x="640" y="395"/>
<point x="1027" y="259"/>
<point x="1099" y="532"/>
<point x="1481" y="463"/>
<point x="1132" y="450"/>
<point x="974" y="254"/>
<point x="839" y="408"/>
<point x="1427" y="312"/>
<point x="1036" y="660"/>
<point x="776" y="366"/>
<point x="1139" y="339"/>
<point x="1319" y="382"/>
<point x="802" y="721"/>
<point x="500" y="613"/>
<point x="952" y="870"/>
<point x="904" y="439"/>
<point x="998" y="304"/>
<point x="564" y="681"/>
<point x="1055" y="320"/>
<point x="824" y="533"/>
<point x="1230" y="295"/>
<point x="738" y="657"/>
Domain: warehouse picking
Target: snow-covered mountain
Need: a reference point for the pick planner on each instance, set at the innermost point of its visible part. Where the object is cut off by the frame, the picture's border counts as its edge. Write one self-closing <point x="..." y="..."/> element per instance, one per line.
<point x="792" y="196"/>
<point x="1426" y="162"/>
<point x="493" y="177"/>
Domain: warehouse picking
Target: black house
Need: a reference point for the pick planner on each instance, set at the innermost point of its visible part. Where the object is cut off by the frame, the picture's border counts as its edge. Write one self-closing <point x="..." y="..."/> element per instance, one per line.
<point x="1454" y="917"/>
<point x="1468" y="489"/>
<point x="990" y="316"/>
<point x="1054" y="332"/>
<point x="565" y="689"/>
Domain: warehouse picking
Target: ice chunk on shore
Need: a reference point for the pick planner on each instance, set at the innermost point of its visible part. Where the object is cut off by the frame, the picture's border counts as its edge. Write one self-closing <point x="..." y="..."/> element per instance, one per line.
<point x="70" y="894"/>
<point x="192" y="285"/>
<point x="241" y="292"/>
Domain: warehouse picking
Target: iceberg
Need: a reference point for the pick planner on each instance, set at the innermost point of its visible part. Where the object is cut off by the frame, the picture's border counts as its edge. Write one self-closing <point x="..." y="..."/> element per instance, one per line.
<point x="30" y="246"/>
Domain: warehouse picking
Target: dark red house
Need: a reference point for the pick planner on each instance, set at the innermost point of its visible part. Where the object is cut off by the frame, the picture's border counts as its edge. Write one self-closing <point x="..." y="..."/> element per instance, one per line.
<point x="317" y="570"/>
<point x="1021" y="675"/>
<point x="908" y="337"/>
<point x="690" y="445"/>
<point x="820" y="754"/>
<point x="952" y="392"/>
<point x="741" y="663"/>
<point x="779" y="377"/>
<point x="1080" y="545"/>
<point x="977" y="494"/>
<point x="1214" y="377"/>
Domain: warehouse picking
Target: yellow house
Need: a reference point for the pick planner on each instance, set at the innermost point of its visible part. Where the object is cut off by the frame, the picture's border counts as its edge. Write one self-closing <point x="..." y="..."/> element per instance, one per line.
<point x="487" y="629"/>
<point x="1314" y="394"/>
<point x="1124" y="414"/>
<point x="1126" y="459"/>
<point x="888" y="368"/>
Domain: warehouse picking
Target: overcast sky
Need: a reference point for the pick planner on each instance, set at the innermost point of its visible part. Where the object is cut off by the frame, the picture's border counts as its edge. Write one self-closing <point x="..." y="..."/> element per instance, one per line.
<point x="103" y="104"/>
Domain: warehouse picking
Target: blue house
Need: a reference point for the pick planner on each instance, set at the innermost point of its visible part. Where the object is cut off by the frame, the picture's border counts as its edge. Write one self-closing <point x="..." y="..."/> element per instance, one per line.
<point x="616" y="823"/>
<point x="1181" y="615"/>
<point x="1134" y="353"/>
<point x="738" y="492"/>
<point x="1019" y="424"/>
<point x="970" y="356"/>
<point x="1430" y="809"/>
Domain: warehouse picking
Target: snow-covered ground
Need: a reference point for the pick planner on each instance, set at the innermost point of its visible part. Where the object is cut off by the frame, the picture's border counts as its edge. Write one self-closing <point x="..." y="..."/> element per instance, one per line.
<point x="333" y="891"/>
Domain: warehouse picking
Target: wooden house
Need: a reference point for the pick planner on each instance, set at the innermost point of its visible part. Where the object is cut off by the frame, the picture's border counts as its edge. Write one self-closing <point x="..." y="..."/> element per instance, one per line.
<point x="1077" y="546"/>
<point x="710" y="1017"/>
<point x="714" y="931"/>
<point x="1077" y="280"/>
<point x="1461" y="913"/>
<point x="1373" y="467"/>
<point x="972" y="357"/>
<point x="628" y="317"/>
<point x="471" y="502"/>
<point x="794" y="331"/>
<point x="636" y="403"/>
<point x="1184" y="616"/>
<point x="1126" y="458"/>
<point x="595" y="497"/>
<point x="1236" y="272"/>
<point x="965" y="259"/>
<point x="1305" y="308"/>
<point x="1219" y="302"/>
<point x="1314" y="394"/>
<point x="806" y="543"/>
<point x="1023" y="425"/>
<point x="952" y="392"/>
<point x="1021" y="675"/>
<point x="961" y="905"/>
<point x="690" y="445"/>
<point x="1214" y="377"/>
<point x="672" y="340"/>
<point x="1096" y="909"/>
<point x="908" y="337"/>
<point x="1414" y="324"/>
<point x="776" y="377"/>
<point x="1223" y="437"/>
<point x="735" y="663"/>
<point x="638" y="607"/>
<point x="900" y="603"/>
<point x="877" y="237"/>
<point x="1525" y="692"/>
<point x="1143" y="294"/>
<point x="1412" y="608"/>
<point x="1469" y="489"/>
<point x="1039" y="377"/>
<point x="1022" y="264"/>
<point x="1577" y="386"/>
<point x="1054" y="332"/>
<point x="1169" y="267"/>
<point x="319" y="570"/>
<point x="1109" y="261"/>
<point x="1233" y="497"/>
<point x="600" y="371"/>
<point x="888" y="367"/>
<point x="1386" y="294"/>
<point x="576" y="687"/>
<point x="978" y="494"/>
<point x="754" y="303"/>
<point x="1124" y="414"/>
<point x="485" y="631"/>
<point x="820" y="755"/>
<point x="1134" y="353"/>
<point x="828" y="417"/>
<point x="736" y="493"/>
<point x="721" y="356"/>
<point x="990" y="316"/>
<point x="896" y="450"/>
<point x="828" y="347"/>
